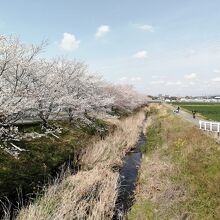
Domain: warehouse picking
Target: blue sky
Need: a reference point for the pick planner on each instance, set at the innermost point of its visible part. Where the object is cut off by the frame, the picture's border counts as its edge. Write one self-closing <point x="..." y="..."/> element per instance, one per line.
<point x="169" y="47"/>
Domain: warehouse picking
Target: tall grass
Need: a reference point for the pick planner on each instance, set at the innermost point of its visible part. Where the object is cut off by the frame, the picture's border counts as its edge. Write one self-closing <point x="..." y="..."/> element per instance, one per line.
<point x="86" y="195"/>
<point x="110" y="151"/>
<point x="92" y="192"/>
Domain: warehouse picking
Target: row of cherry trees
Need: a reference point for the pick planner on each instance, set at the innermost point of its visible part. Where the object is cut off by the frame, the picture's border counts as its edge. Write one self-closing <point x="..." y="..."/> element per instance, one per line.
<point x="32" y="87"/>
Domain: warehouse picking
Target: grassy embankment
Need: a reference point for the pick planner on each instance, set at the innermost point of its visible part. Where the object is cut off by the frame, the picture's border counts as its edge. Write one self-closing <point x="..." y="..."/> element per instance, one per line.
<point x="92" y="192"/>
<point x="21" y="178"/>
<point x="180" y="172"/>
<point x="210" y="111"/>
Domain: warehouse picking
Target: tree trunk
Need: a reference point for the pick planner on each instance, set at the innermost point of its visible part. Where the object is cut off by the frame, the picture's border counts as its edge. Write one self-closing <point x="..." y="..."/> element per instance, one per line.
<point x="70" y="114"/>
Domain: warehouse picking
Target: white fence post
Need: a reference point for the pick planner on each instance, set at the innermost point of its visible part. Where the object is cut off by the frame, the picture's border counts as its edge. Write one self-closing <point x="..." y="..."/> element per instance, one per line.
<point x="200" y="124"/>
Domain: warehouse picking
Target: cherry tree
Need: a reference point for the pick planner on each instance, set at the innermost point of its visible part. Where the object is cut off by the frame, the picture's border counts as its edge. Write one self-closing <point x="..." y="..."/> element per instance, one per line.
<point x="17" y="63"/>
<point x="83" y="92"/>
<point x="126" y="98"/>
<point x="45" y="89"/>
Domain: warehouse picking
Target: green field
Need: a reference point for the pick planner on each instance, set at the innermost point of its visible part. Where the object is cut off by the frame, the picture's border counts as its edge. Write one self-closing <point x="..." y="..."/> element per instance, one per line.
<point x="210" y="111"/>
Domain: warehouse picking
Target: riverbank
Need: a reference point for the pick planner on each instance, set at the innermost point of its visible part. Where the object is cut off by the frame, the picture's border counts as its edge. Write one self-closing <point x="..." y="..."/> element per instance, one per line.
<point x="24" y="177"/>
<point x="92" y="192"/>
<point x="180" y="172"/>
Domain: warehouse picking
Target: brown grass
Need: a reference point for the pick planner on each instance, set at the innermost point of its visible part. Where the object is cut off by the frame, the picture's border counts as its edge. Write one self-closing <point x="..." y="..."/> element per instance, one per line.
<point x="110" y="151"/>
<point x="86" y="195"/>
<point x="92" y="192"/>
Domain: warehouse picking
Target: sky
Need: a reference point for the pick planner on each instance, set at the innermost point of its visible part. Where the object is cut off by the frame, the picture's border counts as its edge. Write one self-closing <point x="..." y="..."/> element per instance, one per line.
<point x="161" y="47"/>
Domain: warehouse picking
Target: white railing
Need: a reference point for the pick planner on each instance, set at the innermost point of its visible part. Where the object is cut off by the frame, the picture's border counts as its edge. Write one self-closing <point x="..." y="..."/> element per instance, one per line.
<point x="209" y="126"/>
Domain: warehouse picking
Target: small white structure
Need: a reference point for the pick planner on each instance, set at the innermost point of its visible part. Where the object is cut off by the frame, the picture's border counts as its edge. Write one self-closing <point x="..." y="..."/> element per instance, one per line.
<point x="217" y="98"/>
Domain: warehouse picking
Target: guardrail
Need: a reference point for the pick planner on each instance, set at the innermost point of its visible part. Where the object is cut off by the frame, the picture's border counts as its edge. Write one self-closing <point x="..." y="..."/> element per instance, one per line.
<point x="209" y="126"/>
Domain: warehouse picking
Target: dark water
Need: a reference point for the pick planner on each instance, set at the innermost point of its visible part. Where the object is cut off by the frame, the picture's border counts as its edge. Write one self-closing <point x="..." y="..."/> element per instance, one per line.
<point x="128" y="178"/>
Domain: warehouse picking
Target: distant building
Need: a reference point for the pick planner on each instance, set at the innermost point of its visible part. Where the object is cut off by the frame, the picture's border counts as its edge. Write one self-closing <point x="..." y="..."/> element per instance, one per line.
<point x="217" y="98"/>
<point x="167" y="100"/>
<point x="173" y="98"/>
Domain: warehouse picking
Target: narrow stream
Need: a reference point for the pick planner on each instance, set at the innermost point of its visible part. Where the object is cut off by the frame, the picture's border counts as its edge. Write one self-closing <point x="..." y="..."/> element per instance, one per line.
<point x="128" y="178"/>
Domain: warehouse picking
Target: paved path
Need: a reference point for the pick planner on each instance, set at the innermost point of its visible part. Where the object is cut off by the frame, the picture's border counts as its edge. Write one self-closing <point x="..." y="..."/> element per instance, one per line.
<point x="187" y="116"/>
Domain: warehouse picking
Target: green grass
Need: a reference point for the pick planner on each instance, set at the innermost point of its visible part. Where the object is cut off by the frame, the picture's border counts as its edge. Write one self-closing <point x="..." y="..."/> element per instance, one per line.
<point x="142" y="210"/>
<point x="43" y="158"/>
<point x="210" y="111"/>
<point x="198" y="169"/>
<point x="195" y="172"/>
<point x="197" y="159"/>
<point x="153" y="138"/>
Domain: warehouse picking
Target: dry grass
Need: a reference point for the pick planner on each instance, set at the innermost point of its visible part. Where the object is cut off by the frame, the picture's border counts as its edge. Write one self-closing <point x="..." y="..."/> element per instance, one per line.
<point x="92" y="192"/>
<point x="180" y="178"/>
<point x="110" y="151"/>
<point x="86" y="195"/>
<point x="156" y="189"/>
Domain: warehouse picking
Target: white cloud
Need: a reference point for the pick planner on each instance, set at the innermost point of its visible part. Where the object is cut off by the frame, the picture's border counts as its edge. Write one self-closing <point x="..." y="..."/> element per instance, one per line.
<point x="147" y="28"/>
<point x="216" y="71"/>
<point x="154" y="77"/>
<point x="217" y="79"/>
<point x="192" y="83"/>
<point x="123" y="78"/>
<point x="168" y="83"/>
<point x="69" y="42"/>
<point x="102" y="30"/>
<point x="190" y="76"/>
<point x="192" y="51"/>
<point x="135" y="79"/>
<point x="176" y="83"/>
<point x="141" y="54"/>
<point x="130" y="79"/>
<point x="189" y="53"/>
<point x="157" y="82"/>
